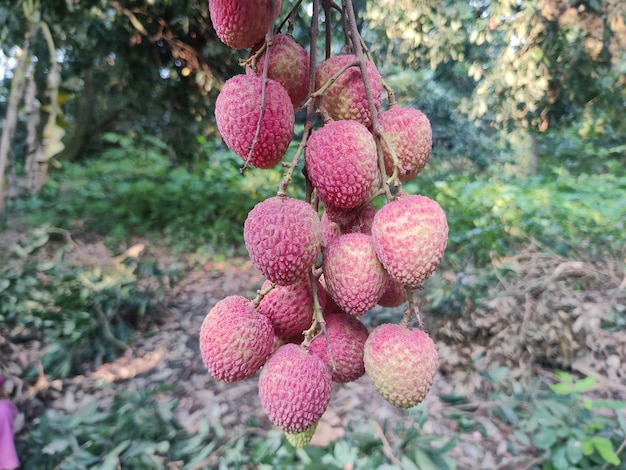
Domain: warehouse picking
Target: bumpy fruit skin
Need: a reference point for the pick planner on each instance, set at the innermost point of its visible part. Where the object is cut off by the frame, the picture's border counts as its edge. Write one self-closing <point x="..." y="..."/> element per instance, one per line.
<point x="241" y="24"/>
<point x="294" y="388"/>
<point x="237" y="111"/>
<point x="235" y="340"/>
<point x="354" y="276"/>
<point x="341" y="162"/>
<point x="401" y="363"/>
<point x="288" y="65"/>
<point x="346" y="98"/>
<point x="290" y="308"/>
<point x="411" y="137"/>
<point x="283" y="237"/>
<point x="347" y="336"/>
<point x="394" y="295"/>
<point x="410" y="236"/>
<point x="301" y="439"/>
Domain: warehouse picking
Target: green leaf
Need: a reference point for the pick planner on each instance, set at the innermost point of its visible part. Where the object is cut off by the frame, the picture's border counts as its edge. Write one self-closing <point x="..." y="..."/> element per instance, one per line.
<point x="605" y="449"/>
<point x="584" y="385"/>
<point x="564" y="376"/>
<point x="562" y="388"/>
<point x="559" y="460"/>
<point x="574" y="451"/>
<point x="545" y="438"/>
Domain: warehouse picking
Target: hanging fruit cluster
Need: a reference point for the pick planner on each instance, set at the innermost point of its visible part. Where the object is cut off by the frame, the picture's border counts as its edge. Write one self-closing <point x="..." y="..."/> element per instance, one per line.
<point x="303" y="330"/>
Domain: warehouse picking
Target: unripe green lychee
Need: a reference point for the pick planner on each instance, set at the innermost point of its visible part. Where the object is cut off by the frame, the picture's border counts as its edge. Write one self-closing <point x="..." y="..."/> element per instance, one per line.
<point x="341" y="163"/>
<point x="410" y="236"/>
<point x="235" y="339"/>
<point x="283" y="236"/>
<point x="346" y="335"/>
<point x="346" y="98"/>
<point x="294" y="388"/>
<point x="409" y="133"/>
<point x="401" y="363"/>
<point x="237" y="111"/>
<point x="301" y="439"/>
<point x="241" y="24"/>
<point x="354" y="276"/>
<point x="288" y="65"/>
<point x="290" y="308"/>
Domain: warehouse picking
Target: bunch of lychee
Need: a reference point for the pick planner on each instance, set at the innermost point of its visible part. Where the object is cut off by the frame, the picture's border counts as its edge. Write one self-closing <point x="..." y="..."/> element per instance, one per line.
<point x="335" y="256"/>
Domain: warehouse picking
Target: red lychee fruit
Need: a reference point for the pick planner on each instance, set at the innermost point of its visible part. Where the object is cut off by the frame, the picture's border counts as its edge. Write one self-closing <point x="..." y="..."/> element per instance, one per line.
<point x="290" y="308"/>
<point x="283" y="236"/>
<point x="410" y="135"/>
<point x="294" y="388"/>
<point x="235" y="339"/>
<point x="241" y="24"/>
<point x="401" y="363"/>
<point x="394" y="295"/>
<point x="237" y="111"/>
<point x="341" y="162"/>
<point x="354" y="276"/>
<point x="340" y="221"/>
<point x="346" y="97"/>
<point x="410" y="236"/>
<point x="346" y="335"/>
<point x="288" y="65"/>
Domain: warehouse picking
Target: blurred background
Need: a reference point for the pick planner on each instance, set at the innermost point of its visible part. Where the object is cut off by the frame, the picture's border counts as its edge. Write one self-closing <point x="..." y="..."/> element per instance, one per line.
<point x="121" y="214"/>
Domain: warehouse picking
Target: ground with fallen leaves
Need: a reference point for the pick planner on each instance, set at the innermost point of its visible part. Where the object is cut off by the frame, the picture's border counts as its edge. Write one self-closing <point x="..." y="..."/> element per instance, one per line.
<point x="547" y="316"/>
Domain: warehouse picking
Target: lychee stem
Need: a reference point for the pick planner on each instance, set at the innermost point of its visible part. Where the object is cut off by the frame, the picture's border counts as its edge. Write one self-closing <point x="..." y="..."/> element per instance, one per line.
<point x="357" y="48"/>
<point x="333" y="79"/>
<point x="310" y="108"/>
<point x="391" y="96"/>
<point x="413" y="309"/>
<point x="289" y="17"/>
<point x="268" y="44"/>
<point x="262" y="293"/>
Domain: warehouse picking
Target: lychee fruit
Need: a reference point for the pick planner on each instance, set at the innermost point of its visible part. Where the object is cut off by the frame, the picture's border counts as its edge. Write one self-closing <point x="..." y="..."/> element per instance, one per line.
<point x="288" y="65"/>
<point x="290" y="308"/>
<point x="237" y="111"/>
<point x="394" y="295"/>
<point x="346" y="97"/>
<point x="401" y="363"/>
<point x="243" y="23"/>
<point x="235" y="340"/>
<point x="346" y="335"/>
<point x="410" y="135"/>
<point x="341" y="162"/>
<point x="294" y="388"/>
<point x="354" y="276"/>
<point x="283" y="236"/>
<point x="410" y="236"/>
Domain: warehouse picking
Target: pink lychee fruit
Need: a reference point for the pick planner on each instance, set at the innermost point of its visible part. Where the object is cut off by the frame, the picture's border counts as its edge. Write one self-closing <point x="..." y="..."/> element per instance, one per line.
<point x="235" y="340"/>
<point x="401" y="363"/>
<point x="288" y="65"/>
<point x="290" y="308"/>
<point x="410" y="135"/>
<point x="346" y="336"/>
<point x="341" y="162"/>
<point x="339" y="221"/>
<point x="241" y="24"/>
<point x="394" y="295"/>
<point x="346" y="97"/>
<point x="237" y="111"/>
<point x="294" y="388"/>
<point x="354" y="276"/>
<point x="283" y="236"/>
<point x="410" y="236"/>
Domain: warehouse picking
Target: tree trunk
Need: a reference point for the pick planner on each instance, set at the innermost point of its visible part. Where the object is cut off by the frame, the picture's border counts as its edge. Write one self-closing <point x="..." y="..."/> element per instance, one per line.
<point x="10" y="121"/>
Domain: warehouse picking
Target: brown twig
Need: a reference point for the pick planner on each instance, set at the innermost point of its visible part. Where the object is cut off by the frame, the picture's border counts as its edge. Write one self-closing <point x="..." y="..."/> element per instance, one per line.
<point x="268" y="45"/>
